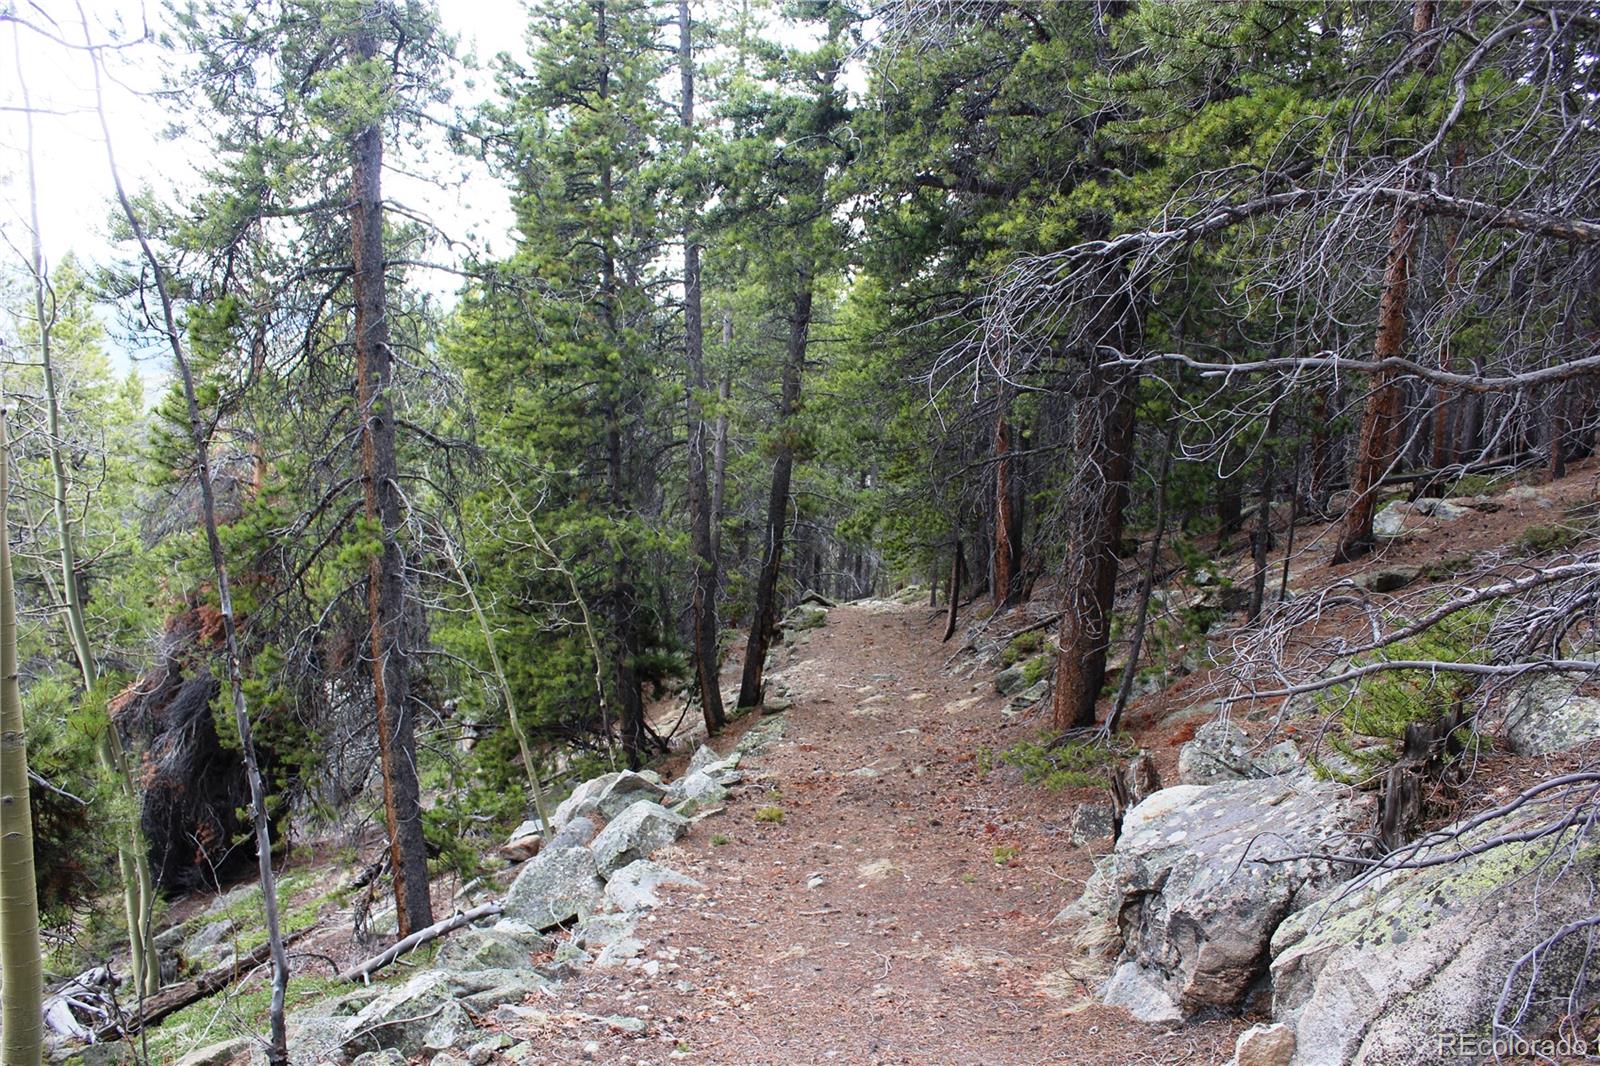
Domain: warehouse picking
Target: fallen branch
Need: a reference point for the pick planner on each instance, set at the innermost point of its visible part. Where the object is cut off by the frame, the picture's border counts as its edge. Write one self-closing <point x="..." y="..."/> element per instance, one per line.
<point x="171" y="1000"/>
<point x="363" y="971"/>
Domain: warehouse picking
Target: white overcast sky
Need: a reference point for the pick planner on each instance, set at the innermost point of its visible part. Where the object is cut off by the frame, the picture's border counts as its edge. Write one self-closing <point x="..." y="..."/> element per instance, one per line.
<point x="73" y="178"/>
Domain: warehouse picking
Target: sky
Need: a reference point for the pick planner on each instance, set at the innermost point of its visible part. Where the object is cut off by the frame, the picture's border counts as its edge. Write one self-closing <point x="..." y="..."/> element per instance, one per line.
<point x="75" y="204"/>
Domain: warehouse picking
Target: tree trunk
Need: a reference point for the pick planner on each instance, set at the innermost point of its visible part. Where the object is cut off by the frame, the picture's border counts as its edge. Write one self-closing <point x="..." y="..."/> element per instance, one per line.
<point x="1443" y="452"/>
<point x="529" y="766"/>
<point x="1381" y="421"/>
<point x="386" y="594"/>
<point x="1261" y="540"/>
<point x="133" y="860"/>
<point x="1376" y="448"/>
<point x="764" y="621"/>
<point x="1230" y="500"/>
<point x="957" y="565"/>
<point x="1105" y="447"/>
<point x="277" y="1045"/>
<point x="22" y="994"/>
<point x="1146" y="587"/>
<point x="1005" y="548"/>
<point x="703" y="605"/>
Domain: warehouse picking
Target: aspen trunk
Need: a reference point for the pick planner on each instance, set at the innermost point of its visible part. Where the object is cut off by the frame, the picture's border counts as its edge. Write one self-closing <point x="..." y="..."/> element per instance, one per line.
<point x="133" y="861"/>
<point x="22" y="993"/>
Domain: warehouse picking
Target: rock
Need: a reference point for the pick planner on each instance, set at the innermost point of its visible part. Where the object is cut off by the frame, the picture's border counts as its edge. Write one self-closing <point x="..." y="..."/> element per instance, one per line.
<point x="695" y="791"/>
<point x="1196" y="894"/>
<point x="1392" y="520"/>
<point x="583" y="801"/>
<point x="556" y="887"/>
<point x="448" y="1027"/>
<point x="603" y="930"/>
<point x="1220" y="751"/>
<point x="489" y="949"/>
<point x="1030" y="695"/>
<point x="532" y="827"/>
<point x="1380" y="971"/>
<point x="1390" y="579"/>
<point x="449" y="1058"/>
<point x="484" y="990"/>
<point x="404" y="1018"/>
<point x="760" y="736"/>
<point x="219" y="1054"/>
<point x="627" y="789"/>
<point x="482" y="1053"/>
<point x="805" y="616"/>
<point x="1265" y="1045"/>
<point x="575" y="834"/>
<point x="386" y="1057"/>
<point x="205" y="940"/>
<point x="1548" y="716"/>
<point x="635" y="834"/>
<point x="702" y="758"/>
<point x="1010" y="680"/>
<point x="1090" y="822"/>
<point x="724" y="771"/>
<point x="633" y="887"/>
<point x="524" y="842"/>
<point x="776" y="705"/>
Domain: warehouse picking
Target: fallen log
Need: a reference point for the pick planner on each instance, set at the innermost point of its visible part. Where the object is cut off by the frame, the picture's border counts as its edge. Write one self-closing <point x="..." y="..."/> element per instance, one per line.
<point x="363" y="971"/>
<point x="171" y="1000"/>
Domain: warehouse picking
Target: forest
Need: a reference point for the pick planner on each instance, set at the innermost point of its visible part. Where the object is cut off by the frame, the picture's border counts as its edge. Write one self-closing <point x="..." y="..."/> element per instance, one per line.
<point x="1237" y="355"/>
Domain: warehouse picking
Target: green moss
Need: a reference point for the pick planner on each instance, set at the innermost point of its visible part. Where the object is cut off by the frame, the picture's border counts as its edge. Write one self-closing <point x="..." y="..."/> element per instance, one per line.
<point x="1477" y="485"/>
<point x="1035" y="669"/>
<point x="1021" y="647"/>
<point x="769" y="814"/>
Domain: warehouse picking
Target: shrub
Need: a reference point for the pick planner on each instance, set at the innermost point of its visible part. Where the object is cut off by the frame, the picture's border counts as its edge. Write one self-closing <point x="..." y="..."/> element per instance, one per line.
<point x="1537" y="540"/>
<point x="1021" y="647"/>
<point x="1073" y="764"/>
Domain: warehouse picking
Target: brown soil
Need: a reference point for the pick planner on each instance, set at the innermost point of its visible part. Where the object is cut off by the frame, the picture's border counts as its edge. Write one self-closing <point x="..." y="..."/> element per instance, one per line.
<point x="927" y="936"/>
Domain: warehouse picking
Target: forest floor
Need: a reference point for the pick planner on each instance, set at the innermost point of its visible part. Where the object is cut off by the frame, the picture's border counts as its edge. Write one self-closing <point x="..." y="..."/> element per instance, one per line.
<point x="900" y="911"/>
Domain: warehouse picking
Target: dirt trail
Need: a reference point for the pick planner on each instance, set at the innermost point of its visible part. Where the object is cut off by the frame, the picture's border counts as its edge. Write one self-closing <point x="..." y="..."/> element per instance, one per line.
<point x="900" y="911"/>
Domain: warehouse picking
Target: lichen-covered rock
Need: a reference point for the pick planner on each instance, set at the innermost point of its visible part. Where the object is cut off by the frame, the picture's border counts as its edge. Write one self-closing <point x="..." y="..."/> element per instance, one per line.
<point x="1398" y="518"/>
<point x="1550" y="716"/>
<point x="760" y="736"/>
<point x="633" y="887"/>
<point x="805" y="616"/>
<point x="402" y="1018"/>
<point x="695" y="792"/>
<point x="1202" y="876"/>
<point x="1220" y="751"/>
<point x="635" y="834"/>
<point x="584" y="800"/>
<point x="1091" y="822"/>
<point x="625" y="790"/>
<point x="490" y="949"/>
<point x="1010" y="681"/>
<point x="1376" y="974"/>
<point x="555" y="887"/>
